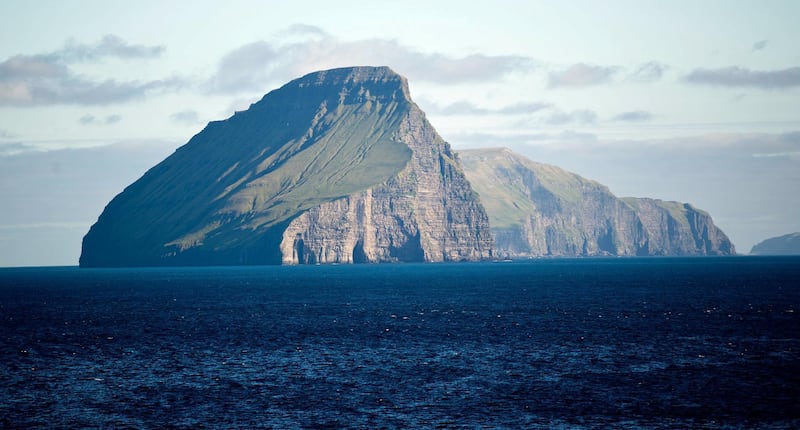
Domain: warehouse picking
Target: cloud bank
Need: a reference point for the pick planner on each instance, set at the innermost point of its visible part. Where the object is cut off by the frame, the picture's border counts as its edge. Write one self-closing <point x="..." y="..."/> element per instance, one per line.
<point x="49" y="79"/>
<point x="89" y="119"/>
<point x="109" y="46"/>
<point x="185" y="117"/>
<point x="581" y="75"/>
<point x="743" y="77"/>
<point x="254" y="66"/>
<point x="580" y="117"/>
<point x="633" y="116"/>
<point x="760" y="45"/>
<point x="537" y="113"/>
<point x="464" y="107"/>
<point x="14" y="148"/>
<point x="651" y="71"/>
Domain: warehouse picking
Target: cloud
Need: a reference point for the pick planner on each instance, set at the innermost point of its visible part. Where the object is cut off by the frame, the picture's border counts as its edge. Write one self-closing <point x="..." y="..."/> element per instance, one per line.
<point x="304" y="30"/>
<point x="581" y="75"/>
<point x="461" y="108"/>
<point x="248" y="67"/>
<point x="633" y="116"/>
<point x="5" y="134"/>
<point x="792" y="138"/>
<point x="48" y="79"/>
<point x="742" y="77"/>
<point x="256" y="65"/>
<point x="784" y="145"/>
<point x="37" y="80"/>
<point x="14" y="148"/>
<point x="580" y="116"/>
<point x="464" y="107"/>
<point x="87" y="119"/>
<point x="185" y="117"/>
<point x="788" y="154"/>
<point x="576" y="136"/>
<point x="648" y="72"/>
<point x="109" y="46"/>
<point x="92" y="120"/>
<point x="523" y="108"/>
<point x="760" y="45"/>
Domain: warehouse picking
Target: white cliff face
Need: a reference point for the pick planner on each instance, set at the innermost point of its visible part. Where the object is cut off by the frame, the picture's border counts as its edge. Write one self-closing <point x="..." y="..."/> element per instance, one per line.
<point x="427" y="212"/>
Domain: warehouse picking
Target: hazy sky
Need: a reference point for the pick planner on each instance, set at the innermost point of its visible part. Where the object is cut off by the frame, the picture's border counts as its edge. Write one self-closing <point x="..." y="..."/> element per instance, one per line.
<point x="696" y="101"/>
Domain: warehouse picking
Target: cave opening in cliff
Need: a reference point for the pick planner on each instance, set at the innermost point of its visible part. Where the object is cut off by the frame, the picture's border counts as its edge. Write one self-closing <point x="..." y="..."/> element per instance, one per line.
<point x="298" y="249"/>
<point x="359" y="256"/>
<point x="411" y="251"/>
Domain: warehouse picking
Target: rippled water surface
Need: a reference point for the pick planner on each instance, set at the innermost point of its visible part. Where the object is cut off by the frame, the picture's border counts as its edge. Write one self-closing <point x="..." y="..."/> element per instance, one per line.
<point x="592" y="343"/>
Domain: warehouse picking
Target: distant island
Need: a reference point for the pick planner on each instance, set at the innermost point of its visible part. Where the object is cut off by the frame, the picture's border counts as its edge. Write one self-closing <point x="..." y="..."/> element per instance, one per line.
<point x="341" y="166"/>
<point x="788" y="244"/>
<point x="538" y="210"/>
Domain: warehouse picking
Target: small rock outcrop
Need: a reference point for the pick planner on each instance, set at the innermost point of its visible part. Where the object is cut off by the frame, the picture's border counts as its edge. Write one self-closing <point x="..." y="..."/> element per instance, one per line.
<point x="788" y="244"/>
<point x="339" y="166"/>
<point x="537" y="209"/>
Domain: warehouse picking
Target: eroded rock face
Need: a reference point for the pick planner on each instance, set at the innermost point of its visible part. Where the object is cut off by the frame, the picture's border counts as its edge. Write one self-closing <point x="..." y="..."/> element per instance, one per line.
<point x="336" y="166"/>
<point x="674" y="228"/>
<point x="427" y="212"/>
<point x="540" y="210"/>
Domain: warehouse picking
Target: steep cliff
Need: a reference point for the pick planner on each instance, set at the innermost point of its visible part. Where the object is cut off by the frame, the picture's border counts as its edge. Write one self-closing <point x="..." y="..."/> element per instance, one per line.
<point x="540" y="210"/>
<point x="675" y="228"/>
<point x="427" y="212"/>
<point x="788" y="244"/>
<point x="336" y="166"/>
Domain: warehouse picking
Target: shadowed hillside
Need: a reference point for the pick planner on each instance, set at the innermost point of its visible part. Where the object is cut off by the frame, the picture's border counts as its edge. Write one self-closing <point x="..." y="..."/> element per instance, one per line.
<point x="788" y="244"/>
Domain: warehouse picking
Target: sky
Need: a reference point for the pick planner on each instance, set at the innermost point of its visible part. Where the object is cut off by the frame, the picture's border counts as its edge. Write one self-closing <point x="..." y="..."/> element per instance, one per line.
<point x="692" y="101"/>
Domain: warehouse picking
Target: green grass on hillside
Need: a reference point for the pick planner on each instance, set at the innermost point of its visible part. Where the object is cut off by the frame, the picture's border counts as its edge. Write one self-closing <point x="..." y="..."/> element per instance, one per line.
<point x="347" y="150"/>
<point x="498" y="175"/>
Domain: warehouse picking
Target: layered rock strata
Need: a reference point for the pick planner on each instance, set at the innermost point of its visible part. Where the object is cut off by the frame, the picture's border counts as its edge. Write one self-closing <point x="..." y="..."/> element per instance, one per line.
<point x="427" y="212"/>
<point x="537" y="209"/>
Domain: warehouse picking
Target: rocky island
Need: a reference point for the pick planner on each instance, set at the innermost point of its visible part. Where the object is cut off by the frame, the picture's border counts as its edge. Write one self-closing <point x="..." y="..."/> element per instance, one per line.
<point x="788" y="244"/>
<point x="341" y="166"/>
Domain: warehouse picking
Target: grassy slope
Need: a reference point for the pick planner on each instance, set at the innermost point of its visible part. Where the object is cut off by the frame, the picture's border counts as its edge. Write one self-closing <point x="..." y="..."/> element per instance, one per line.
<point x="496" y="174"/>
<point x="300" y="146"/>
<point x="350" y="152"/>
<point x="505" y="199"/>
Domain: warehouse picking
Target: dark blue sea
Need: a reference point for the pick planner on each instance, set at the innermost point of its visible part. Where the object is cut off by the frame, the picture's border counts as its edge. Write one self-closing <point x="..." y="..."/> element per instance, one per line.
<point x="639" y="343"/>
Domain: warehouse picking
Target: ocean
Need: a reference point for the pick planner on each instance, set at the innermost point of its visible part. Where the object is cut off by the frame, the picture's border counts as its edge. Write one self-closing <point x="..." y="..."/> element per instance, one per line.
<point x="634" y="343"/>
